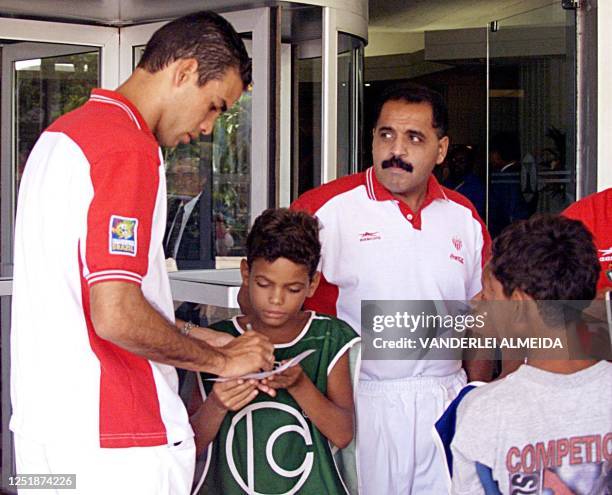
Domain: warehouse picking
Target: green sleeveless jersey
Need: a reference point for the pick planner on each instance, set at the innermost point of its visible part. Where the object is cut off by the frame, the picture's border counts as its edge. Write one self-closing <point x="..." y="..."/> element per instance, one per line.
<point x="270" y="446"/>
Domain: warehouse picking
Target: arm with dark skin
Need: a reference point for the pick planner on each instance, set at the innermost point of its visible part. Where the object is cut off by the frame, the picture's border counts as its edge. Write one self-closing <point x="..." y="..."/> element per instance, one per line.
<point x="332" y="414"/>
<point x="211" y="337"/>
<point x="224" y="397"/>
<point x="121" y="314"/>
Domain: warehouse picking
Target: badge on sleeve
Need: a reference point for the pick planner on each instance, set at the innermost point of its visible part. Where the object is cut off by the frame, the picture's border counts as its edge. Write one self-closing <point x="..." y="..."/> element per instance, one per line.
<point x="123" y="238"/>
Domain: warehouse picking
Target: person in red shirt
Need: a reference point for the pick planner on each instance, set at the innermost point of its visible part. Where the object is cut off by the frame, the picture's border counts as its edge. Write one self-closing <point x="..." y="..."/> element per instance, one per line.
<point x="595" y="212"/>
<point x="393" y="232"/>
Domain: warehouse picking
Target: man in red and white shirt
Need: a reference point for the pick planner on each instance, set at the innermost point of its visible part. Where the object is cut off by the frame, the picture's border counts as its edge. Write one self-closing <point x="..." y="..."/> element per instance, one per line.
<point x="93" y="340"/>
<point x="392" y="232"/>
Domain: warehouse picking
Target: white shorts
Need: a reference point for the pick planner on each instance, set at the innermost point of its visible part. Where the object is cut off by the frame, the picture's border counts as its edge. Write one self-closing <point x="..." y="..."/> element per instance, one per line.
<point x="395" y="419"/>
<point x="160" y="470"/>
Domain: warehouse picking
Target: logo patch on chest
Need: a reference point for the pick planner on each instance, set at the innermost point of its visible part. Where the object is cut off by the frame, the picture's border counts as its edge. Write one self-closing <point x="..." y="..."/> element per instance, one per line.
<point x="369" y="236"/>
<point x="457" y="258"/>
<point x="457" y="243"/>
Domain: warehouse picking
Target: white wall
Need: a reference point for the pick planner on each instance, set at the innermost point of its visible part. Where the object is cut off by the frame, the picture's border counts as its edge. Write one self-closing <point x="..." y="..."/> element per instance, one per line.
<point x="391" y="43"/>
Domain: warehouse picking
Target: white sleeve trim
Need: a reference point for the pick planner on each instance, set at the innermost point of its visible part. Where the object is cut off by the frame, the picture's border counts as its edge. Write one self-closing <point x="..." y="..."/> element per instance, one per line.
<point x="340" y="353"/>
<point x="113" y="275"/>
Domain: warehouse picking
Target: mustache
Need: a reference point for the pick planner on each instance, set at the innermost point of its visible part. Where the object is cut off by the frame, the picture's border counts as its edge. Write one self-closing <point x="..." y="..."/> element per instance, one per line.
<point x="397" y="162"/>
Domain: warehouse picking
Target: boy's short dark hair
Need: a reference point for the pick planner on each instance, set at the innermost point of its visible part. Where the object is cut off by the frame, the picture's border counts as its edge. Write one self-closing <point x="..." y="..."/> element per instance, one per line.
<point x="204" y="36"/>
<point x="412" y="93"/>
<point x="283" y="233"/>
<point x="550" y="258"/>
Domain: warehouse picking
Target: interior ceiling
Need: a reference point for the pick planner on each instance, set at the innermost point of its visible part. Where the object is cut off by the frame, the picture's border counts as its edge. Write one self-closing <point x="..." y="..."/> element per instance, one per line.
<point x="431" y="15"/>
<point x="385" y="15"/>
<point x="116" y="12"/>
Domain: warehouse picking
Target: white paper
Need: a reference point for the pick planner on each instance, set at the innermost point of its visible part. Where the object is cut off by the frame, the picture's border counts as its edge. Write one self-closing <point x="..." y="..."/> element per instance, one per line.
<point x="265" y="374"/>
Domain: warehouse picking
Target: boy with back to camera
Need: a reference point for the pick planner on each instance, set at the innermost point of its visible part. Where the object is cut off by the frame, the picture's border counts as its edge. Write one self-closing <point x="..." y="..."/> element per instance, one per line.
<point x="547" y="427"/>
<point x="281" y="444"/>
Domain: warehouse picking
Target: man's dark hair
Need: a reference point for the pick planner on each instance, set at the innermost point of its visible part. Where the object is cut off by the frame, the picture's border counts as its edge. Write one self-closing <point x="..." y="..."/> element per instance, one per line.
<point x="284" y="233"/>
<point x="508" y="145"/>
<point x="206" y="37"/>
<point x="550" y="258"/>
<point x="411" y="93"/>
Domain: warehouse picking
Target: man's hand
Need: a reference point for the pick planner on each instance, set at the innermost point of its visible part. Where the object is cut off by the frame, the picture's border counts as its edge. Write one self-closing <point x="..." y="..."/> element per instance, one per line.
<point x="248" y="353"/>
<point x="288" y="379"/>
<point x="233" y="395"/>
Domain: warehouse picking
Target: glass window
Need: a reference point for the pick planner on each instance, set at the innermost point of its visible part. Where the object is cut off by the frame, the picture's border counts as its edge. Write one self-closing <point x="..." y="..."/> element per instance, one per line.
<point x="350" y="101"/>
<point x="44" y="89"/>
<point x="532" y="115"/>
<point x="209" y="191"/>
<point x="307" y="119"/>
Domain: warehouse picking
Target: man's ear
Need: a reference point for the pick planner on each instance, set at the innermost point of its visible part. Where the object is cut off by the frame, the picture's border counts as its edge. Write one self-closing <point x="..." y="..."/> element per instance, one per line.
<point x="244" y="272"/>
<point x="442" y="149"/>
<point x="314" y="283"/>
<point x="185" y="70"/>
<point x="520" y="296"/>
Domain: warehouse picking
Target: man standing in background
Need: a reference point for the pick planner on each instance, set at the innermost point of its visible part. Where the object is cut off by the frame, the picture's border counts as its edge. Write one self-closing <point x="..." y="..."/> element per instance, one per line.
<point x="392" y="232"/>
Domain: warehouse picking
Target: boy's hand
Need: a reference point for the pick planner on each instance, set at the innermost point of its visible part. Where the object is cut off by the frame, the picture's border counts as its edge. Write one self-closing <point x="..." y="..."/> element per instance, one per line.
<point x="288" y="379"/>
<point x="233" y="395"/>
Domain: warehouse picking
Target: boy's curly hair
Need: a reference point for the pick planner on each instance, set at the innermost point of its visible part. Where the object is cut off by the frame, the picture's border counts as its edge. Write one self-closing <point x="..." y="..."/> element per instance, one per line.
<point x="283" y="233"/>
<point x="550" y="258"/>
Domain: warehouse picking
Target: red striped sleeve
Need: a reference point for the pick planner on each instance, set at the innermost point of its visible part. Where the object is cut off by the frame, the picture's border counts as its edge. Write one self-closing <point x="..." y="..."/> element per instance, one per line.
<point x="119" y="223"/>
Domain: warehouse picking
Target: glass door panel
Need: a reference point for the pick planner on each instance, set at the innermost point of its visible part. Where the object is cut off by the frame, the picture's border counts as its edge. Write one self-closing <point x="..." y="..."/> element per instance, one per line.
<point x="44" y="89"/>
<point x="350" y="99"/>
<point x="40" y="82"/>
<point x="214" y="174"/>
<point x="532" y="115"/>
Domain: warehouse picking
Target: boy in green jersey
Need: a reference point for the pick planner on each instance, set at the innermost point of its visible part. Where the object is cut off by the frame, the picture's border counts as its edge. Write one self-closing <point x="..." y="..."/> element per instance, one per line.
<point x="280" y="442"/>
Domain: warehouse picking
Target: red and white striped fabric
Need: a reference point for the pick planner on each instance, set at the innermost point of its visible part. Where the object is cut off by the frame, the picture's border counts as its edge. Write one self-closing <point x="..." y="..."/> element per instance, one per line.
<point x="374" y="247"/>
<point x="91" y="208"/>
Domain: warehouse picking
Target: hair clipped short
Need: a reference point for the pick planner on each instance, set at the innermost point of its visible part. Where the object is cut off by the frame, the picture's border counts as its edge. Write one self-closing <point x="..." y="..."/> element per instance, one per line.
<point x="204" y="36"/>
<point x="413" y="93"/>
<point x="549" y="258"/>
<point x="284" y="233"/>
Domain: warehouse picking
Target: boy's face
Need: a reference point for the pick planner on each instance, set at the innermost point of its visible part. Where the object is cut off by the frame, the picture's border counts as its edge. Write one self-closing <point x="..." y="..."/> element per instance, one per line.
<point x="492" y="289"/>
<point x="277" y="289"/>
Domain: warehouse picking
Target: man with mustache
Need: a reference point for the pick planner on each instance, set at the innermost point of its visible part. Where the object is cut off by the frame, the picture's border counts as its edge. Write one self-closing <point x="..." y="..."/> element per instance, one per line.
<point x="392" y="232"/>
